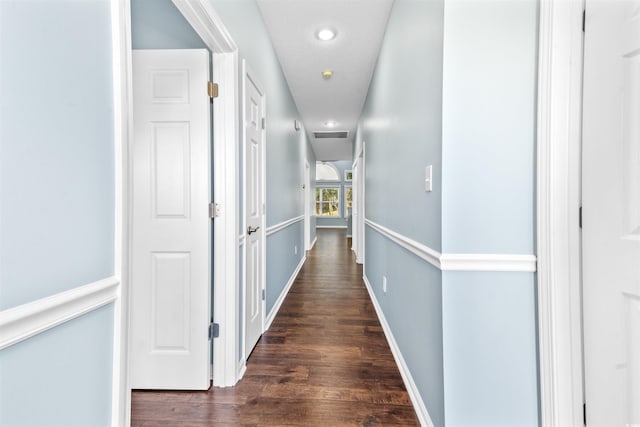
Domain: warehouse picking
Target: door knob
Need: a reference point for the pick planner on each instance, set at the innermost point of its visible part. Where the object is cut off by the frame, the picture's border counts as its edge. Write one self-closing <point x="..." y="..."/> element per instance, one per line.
<point x="252" y="230"/>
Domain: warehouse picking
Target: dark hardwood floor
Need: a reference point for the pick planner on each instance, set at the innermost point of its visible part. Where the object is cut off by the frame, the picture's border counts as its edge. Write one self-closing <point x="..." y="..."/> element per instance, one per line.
<point x="324" y="361"/>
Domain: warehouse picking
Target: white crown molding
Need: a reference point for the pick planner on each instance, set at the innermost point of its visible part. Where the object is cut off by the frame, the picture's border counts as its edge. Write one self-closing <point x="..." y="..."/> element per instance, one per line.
<point x="412" y="389"/>
<point x="283" y="294"/>
<point x="283" y="225"/>
<point x="24" y="321"/>
<point x="459" y="262"/>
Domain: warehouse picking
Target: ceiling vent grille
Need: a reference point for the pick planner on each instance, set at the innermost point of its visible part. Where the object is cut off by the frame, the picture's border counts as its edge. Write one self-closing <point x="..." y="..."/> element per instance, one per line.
<point x="331" y="134"/>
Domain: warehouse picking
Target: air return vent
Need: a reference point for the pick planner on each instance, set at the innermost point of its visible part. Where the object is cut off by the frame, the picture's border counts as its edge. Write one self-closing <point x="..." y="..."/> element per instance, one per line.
<point x="331" y="134"/>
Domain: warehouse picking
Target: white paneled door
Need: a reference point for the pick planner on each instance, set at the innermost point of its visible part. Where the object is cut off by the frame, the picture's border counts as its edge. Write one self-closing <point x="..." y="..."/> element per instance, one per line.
<point x="254" y="113"/>
<point x="171" y="230"/>
<point x="611" y="212"/>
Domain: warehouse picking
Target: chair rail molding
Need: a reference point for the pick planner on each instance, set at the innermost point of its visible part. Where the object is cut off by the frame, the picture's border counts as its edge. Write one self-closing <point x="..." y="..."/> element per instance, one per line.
<point x="459" y="262"/>
<point x="284" y="224"/>
<point x="24" y="321"/>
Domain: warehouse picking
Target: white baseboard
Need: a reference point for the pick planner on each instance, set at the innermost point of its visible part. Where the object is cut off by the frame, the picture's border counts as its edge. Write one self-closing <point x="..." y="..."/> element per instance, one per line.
<point x="315" y="239"/>
<point x="331" y="226"/>
<point x="242" y="369"/>
<point x="283" y="295"/>
<point x="412" y="389"/>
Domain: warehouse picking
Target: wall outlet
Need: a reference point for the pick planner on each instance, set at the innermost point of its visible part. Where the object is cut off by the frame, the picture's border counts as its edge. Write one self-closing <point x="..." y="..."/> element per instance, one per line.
<point x="384" y="284"/>
<point x="295" y="249"/>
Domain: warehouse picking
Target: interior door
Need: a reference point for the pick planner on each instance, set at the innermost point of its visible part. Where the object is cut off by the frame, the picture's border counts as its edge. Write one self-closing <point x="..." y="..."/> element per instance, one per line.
<point x="611" y="212"/>
<point x="307" y="206"/>
<point x="254" y="106"/>
<point x="171" y="277"/>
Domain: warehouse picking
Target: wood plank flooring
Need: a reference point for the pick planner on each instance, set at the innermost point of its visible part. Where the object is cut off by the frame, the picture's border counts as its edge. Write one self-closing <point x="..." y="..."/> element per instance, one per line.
<point x="324" y="361"/>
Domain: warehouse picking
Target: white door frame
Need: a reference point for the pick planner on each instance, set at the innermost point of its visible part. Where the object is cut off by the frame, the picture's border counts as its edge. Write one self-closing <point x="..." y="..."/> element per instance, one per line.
<point x="558" y="200"/>
<point x="307" y="205"/>
<point x="358" y="225"/>
<point x="206" y="22"/>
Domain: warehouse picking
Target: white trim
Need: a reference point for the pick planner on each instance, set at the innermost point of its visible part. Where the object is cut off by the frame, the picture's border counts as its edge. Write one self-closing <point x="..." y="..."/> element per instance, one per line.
<point x="487" y="262"/>
<point x="412" y="389"/>
<point x="249" y="75"/>
<point x="560" y="67"/>
<point x="331" y="226"/>
<point x="207" y="23"/>
<point x="283" y="294"/>
<point x="418" y="249"/>
<point x="241" y="239"/>
<point x="24" y="321"/>
<point x="283" y="225"/>
<point x="306" y="197"/>
<point x="121" y="70"/>
<point x="458" y="262"/>
<point x="242" y="369"/>
<point x="315" y="239"/>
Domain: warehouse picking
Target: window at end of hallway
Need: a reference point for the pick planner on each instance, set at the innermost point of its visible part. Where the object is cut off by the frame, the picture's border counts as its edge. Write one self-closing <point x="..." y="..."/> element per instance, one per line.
<point x="348" y="197"/>
<point x="328" y="201"/>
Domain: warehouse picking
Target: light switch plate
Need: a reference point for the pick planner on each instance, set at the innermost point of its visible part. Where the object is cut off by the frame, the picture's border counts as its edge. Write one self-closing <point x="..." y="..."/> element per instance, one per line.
<point x="428" y="180"/>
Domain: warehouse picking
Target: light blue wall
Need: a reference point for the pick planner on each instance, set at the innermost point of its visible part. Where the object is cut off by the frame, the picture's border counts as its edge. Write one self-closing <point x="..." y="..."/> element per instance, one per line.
<point x="455" y="87"/>
<point x="61" y="377"/>
<point x="401" y="127"/>
<point x="488" y="207"/>
<point x="412" y="309"/>
<point x="490" y="366"/>
<point x="56" y="204"/>
<point x="56" y="148"/>
<point x="283" y="243"/>
<point x="490" y="87"/>
<point x="158" y="24"/>
<point x="342" y="166"/>
<point x="285" y="147"/>
<point x="401" y="123"/>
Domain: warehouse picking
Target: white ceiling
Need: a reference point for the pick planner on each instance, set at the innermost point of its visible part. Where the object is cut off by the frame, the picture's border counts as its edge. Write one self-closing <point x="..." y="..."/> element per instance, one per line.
<point x="351" y="55"/>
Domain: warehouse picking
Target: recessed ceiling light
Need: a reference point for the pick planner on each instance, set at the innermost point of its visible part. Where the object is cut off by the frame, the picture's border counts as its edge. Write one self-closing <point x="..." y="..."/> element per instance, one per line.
<point x="327" y="74"/>
<point x="330" y="124"/>
<point x="326" y="34"/>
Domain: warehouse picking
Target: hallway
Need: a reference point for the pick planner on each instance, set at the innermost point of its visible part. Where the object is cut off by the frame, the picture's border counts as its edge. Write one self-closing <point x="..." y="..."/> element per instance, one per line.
<point x="324" y="361"/>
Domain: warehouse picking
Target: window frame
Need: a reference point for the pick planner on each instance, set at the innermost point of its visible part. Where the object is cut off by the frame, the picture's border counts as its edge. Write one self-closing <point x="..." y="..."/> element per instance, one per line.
<point x="335" y="169"/>
<point x="321" y="201"/>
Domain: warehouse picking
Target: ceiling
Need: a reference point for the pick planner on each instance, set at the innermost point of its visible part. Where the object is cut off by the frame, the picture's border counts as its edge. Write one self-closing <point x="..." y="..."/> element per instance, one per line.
<point x="359" y="25"/>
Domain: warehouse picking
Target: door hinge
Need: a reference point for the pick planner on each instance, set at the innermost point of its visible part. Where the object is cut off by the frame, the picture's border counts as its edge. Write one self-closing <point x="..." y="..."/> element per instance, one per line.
<point x="584" y="19"/>
<point x="214" y="330"/>
<point x="264" y="294"/>
<point x="584" y="413"/>
<point x="580" y="217"/>
<point x="214" y="210"/>
<point x="212" y="89"/>
<point x="264" y="123"/>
